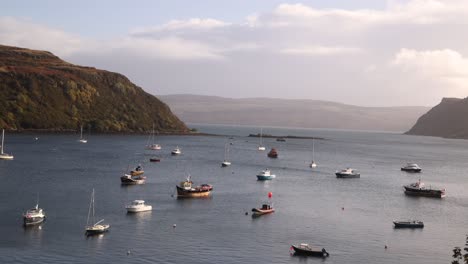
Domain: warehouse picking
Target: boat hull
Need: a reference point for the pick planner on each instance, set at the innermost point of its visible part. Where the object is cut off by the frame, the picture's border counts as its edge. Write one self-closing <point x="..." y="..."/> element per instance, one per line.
<point x="139" y="209"/>
<point x="136" y="173"/>
<point x="259" y="212"/>
<point x="125" y="180"/>
<point x="411" y="170"/>
<point x="96" y="230"/>
<point x="425" y="192"/>
<point x="312" y="252"/>
<point x="345" y="175"/>
<point x="5" y="156"/>
<point x="265" y="178"/>
<point x="155" y="160"/>
<point x="193" y="193"/>
<point x="408" y="224"/>
<point x="225" y="164"/>
<point x="29" y="221"/>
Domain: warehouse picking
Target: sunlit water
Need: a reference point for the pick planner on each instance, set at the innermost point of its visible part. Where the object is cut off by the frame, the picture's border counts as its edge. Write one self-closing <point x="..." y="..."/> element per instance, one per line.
<point x="351" y="218"/>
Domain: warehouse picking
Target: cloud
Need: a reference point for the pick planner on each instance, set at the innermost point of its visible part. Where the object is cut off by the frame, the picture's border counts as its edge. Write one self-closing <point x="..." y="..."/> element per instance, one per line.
<point x="190" y="24"/>
<point x="320" y="50"/>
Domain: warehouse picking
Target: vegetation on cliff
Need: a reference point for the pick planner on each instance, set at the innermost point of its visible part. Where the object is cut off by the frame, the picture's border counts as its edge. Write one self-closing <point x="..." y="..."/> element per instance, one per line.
<point x="40" y="91"/>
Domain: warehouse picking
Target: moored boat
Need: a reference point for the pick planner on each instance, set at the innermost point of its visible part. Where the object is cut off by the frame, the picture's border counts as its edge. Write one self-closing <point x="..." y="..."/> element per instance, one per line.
<point x="176" y="151"/>
<point x="273" y="153"/>
<point x="306" y="250"/>
<point x="411" y="167"/>
<point x="33" y="216"/>
<point x="265" y="175"/>
<point x="96" y="228"/>
<point x="138" y="206"/>
<point x="348" y="173"/>
<point x="265" y="209"/>
<point x="226" y="161"/>
<point x="408" y="224"/>
<point x="82" y="139"/>
<point x="128" y="179"/>
<point x="137" y="171"/>
<point x="4" y="156"/>
<point x="155" y="159"/>
<point x="186" y="190"/>
<point x="419" y="189"/>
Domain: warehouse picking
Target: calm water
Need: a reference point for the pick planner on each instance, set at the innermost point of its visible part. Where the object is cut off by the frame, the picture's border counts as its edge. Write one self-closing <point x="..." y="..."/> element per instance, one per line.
<point x="216" y="230"/>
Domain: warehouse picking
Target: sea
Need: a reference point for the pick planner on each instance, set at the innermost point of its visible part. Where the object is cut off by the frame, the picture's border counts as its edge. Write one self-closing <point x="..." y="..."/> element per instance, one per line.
<point x="350" y="218"/>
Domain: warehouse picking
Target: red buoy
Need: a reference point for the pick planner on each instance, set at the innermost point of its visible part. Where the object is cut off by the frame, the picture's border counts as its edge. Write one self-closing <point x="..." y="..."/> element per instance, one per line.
<point x="270" y="194"/>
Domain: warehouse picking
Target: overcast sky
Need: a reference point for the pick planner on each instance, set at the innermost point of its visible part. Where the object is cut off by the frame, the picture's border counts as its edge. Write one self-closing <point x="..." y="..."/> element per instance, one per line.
<point x="363" y="52"/>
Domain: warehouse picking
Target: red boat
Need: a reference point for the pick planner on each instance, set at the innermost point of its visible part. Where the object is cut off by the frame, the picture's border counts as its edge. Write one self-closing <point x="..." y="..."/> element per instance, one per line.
<point x="273" y="153"/>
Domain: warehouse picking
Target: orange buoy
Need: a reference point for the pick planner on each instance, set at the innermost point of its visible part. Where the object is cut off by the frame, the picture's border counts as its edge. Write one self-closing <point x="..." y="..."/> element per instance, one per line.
<point x="270" y="194"/>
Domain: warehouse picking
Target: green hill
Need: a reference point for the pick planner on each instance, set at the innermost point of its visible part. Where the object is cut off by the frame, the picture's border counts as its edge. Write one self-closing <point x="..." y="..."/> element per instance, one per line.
<point x="40" y="91"/>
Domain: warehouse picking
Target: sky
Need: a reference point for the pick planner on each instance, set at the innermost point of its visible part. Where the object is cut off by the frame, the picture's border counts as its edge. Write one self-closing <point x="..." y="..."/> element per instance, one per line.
<point x="361" y="52"/>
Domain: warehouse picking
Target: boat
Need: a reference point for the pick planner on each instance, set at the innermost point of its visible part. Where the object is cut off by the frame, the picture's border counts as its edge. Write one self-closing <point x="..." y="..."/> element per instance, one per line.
<point x="265" y="209"/>
<point x="306" y="250"/>
<point x="408" y="224"/>
<point x="128" y="179"/>
<point x="33" y="216"/>
<point x="265" y="175"/>
<point x="97" y="228"/>
<point x="226" y="161"/>
<point x="281" y="139"/>
<point x="137" y="171"/>
<point x="273" y="153"/>
<point x="176" y="151"/>
<point x="419" y="189"/>
<point x="411" y="167"/>
<point x="313" y="164"/>
<point x="186" y="190"/>
<point x="151" y="145"/>
<point x="348" y="173"/>
<point x="260" y="146"/>
<point x="155" y="159"/>
<point x="138" y="206"/>
<point x="4" y="155"/>
<point x="82" y="139"/>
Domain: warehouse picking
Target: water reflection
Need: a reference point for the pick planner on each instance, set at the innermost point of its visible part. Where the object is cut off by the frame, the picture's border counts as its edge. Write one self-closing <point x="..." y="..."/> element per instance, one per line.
<point x="34" y="233"/>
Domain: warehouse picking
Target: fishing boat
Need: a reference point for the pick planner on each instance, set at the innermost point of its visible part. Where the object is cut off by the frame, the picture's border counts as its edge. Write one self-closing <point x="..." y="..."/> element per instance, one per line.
<point x="226" y="161"/>
<point x="273" y="153"/>
<point x="408" y="224"/>
<point x="411" y="167"/>
<point x="313" y="164"/>
<point x="151" y="145"/>
<point x="33" y="216"/>
<point x="260" y="146"/>
<point x="176" y="151"/>
<point x="348" y="173"/>
<point x="265" y="209"/>
<point x="137" y="171"/>
<point x="265" y="175"/>
<point x="138" y="206"/>
<point x="306" y="250"/>
<point x="186" y="190"/>
<point x="419" y="189"/>
<point x="4" y="155"/>
<point x="82" y="139"/>
<point x="97" y="228"/>
<point x="128" y="179"/>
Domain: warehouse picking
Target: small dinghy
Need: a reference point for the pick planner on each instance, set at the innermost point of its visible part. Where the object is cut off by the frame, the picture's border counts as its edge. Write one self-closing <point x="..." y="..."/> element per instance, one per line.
<point x="155" y="159"/>
<point x="306" y="250"/>
<point x="409" y="224"/>
<point x="266" y="209"/>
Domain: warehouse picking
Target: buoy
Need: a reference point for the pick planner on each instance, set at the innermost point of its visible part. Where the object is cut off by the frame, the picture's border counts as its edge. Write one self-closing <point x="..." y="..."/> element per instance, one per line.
<point x="128" y="252"/>
<point x="270" y="194"/>
<point x="385" y="246"/>
<point x="174" y="226"/>
<point x="342" y="208"/>
<point x="246" y="213"/>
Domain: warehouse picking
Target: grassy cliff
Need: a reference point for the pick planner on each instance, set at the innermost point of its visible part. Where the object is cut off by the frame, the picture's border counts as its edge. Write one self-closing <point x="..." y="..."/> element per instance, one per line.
<point x="40" y="91"/>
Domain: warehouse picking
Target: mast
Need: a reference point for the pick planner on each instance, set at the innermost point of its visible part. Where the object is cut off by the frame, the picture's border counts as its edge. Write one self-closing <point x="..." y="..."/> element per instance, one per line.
<point x="261" y="134"/>
<point x="81" y="133"/>
<point x="313" y="150"/>
<point x="91" y="207"/>
<point x="3" y="135"/>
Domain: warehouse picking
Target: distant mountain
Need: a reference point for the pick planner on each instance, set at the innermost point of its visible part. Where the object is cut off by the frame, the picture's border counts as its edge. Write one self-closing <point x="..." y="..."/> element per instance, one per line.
<point x="291" y="113"/>
<point x="448" y="119"/>
<point x="40" y="91"/>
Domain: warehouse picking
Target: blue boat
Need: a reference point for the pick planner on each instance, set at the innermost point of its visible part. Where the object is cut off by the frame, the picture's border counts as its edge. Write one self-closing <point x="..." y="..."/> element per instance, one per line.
<point x="265" y="175"/>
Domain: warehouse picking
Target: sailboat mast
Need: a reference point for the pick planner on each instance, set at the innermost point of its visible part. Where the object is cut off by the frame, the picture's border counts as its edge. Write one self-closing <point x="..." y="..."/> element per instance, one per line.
<point x="81" y="133"/>
<point x="313" y="149"/>
<point x="261" y="134"/>
<point x="90" y="206"/>
<point x="3" y="135"/>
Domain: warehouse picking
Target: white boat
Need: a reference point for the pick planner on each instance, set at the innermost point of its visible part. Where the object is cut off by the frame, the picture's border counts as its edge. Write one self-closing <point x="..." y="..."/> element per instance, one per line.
<point x="348" y="173"/>
<point x="313" y="164"/>
<point x="411" y="167"/>
<point x="34" y="216"/>
<point x="138" y="206"/>
<point x="226" y="161"/>
<point x="82" y="139"/>
<point x="260" y="146"/>
<point x="151" y="145"/>
<point x="97" y="228"/>
<point x="3" y="155"/>
<point x="176" y="151"/>
<point x="265" y="175"/>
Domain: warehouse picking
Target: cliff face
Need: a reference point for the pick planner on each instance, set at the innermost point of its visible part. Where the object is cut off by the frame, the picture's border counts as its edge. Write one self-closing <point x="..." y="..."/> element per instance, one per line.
<point x="40" y="91"/>
<point x="448" y="119"/>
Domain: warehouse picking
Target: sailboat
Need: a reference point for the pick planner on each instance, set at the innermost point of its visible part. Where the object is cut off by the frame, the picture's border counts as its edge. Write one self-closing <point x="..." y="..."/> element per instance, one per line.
<point x="226" y="161"/>
<point x="313" y="164"/>
<point x="96" y="228"/>
<point x="3" y="155"/>
<point x="260" y="146"/>
<point x="82" y="139"/>
<point x="152" y="145"/>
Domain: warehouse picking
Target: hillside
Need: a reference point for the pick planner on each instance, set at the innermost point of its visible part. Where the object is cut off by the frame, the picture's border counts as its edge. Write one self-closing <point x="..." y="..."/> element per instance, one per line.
<point x="291" y="113"/>
<point x="447" y="119"/>
<point x="40" y="91"/>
